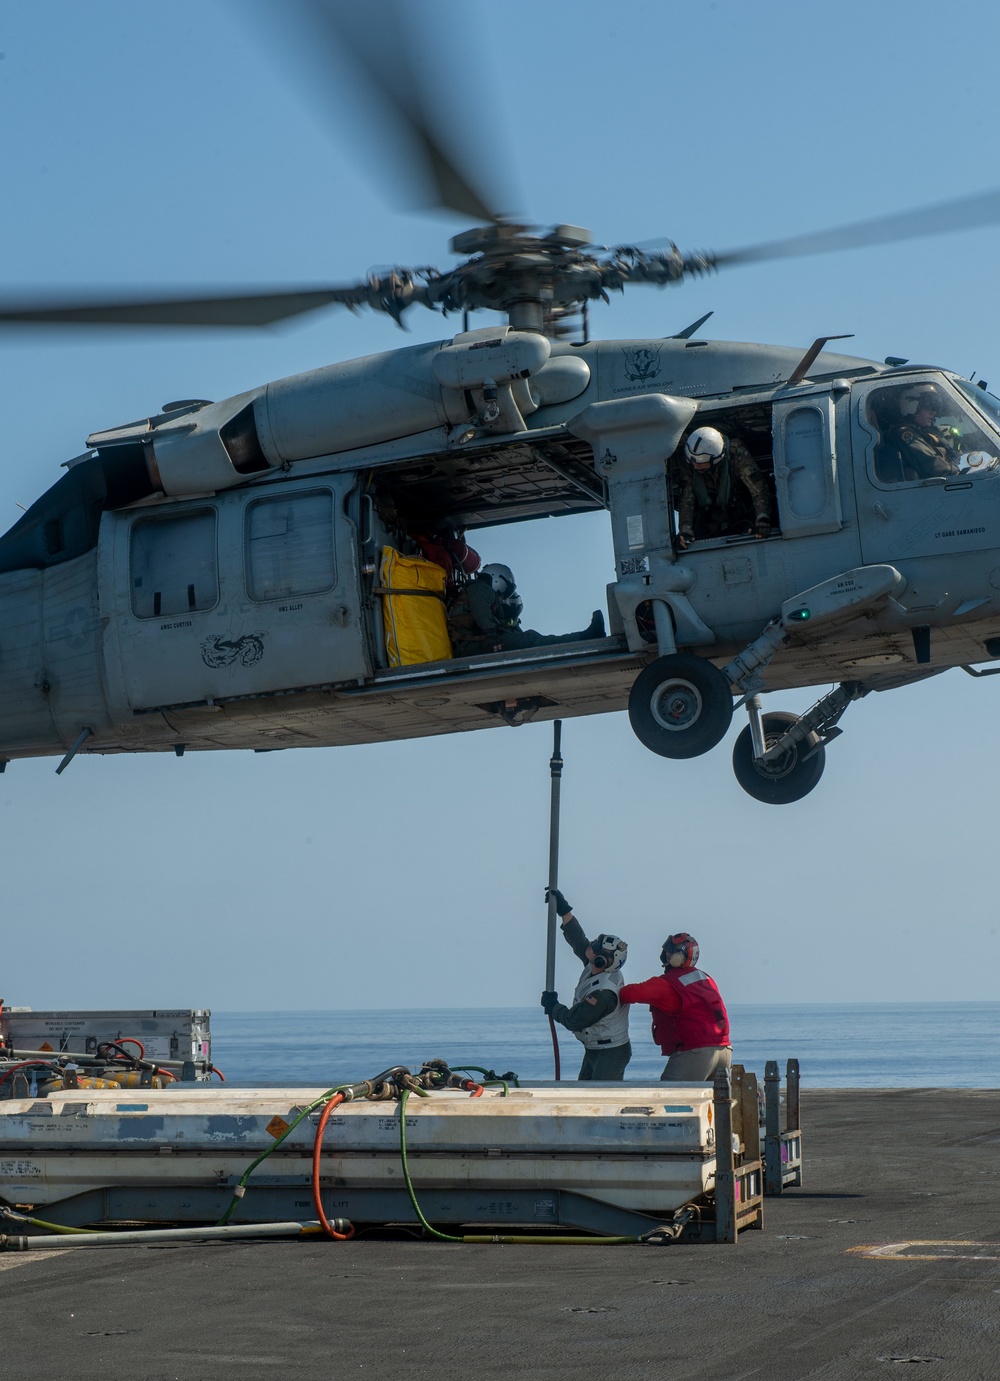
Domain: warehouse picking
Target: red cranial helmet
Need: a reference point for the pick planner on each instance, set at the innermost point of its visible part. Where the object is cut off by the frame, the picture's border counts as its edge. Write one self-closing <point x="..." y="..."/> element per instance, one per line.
<point x="679" y="951"/>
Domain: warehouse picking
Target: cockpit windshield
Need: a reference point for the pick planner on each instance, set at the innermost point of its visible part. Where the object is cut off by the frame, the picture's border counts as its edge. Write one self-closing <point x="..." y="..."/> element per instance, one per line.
<point x="926" y="432"/>
<point x="983" y="400"/>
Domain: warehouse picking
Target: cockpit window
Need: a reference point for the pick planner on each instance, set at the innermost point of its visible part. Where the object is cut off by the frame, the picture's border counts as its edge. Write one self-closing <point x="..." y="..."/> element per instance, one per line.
<point x="982" y="400"/>
<point x="925" y="432"/>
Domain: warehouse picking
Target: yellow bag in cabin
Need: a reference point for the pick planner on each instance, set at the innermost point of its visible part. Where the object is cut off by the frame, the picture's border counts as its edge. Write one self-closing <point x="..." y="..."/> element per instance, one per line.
<point x="413" y="609"/>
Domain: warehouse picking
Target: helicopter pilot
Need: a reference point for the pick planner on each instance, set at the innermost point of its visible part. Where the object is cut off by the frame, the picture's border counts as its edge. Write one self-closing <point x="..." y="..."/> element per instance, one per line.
<point x="924" y="449"/>
<point x="486" y="617"/>
<point x="720" y="488"/>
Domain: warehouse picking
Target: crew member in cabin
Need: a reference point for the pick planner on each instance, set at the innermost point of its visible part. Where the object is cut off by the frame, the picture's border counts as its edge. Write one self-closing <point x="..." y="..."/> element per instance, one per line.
<point x="721" y="491"/>
<point x="597" y="1019"/>
<point x="447" y="548"/>
<point x="690" y="1022"/>
<point x="486" y="617"/>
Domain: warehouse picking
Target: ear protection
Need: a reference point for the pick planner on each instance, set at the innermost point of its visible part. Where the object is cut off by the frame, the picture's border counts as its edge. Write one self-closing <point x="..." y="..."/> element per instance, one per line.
<point x="608" y="949"/>
<point x="679" y="950"/>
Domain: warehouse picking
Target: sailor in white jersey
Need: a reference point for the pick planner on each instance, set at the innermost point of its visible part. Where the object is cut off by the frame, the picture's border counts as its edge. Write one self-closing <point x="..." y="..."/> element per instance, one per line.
<point x="597" y="1018"/>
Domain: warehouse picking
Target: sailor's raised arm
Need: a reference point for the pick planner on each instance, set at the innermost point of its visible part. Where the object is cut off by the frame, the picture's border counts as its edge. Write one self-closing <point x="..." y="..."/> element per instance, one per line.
<point x="571" y="928"/>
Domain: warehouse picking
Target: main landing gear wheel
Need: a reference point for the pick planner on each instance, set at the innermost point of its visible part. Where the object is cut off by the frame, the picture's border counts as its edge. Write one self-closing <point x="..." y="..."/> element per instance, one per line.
<point x="789" y="777"/>
<point x="680" y="706"/>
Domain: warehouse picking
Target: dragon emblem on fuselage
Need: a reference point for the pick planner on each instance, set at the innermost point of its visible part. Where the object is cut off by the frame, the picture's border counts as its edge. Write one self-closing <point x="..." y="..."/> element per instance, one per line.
<point x="642" y="362"/>
<point x="217" y="651"/>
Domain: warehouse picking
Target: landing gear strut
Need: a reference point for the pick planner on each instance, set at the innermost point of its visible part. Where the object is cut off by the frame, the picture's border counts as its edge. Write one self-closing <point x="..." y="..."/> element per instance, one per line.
<point x="782" y="779"/>
<point x="780" y="757"/>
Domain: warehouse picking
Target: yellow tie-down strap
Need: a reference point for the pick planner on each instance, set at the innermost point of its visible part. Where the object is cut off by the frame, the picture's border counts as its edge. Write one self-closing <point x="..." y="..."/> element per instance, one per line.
<point x="416" y="627"/>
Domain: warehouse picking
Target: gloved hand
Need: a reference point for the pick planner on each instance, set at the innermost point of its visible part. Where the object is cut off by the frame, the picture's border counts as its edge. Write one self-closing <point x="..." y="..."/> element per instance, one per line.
<point x="684" y="540"/>
<point x="762" y="527"/>
<point x="563" y="907"/>
<point x="550" y="1001"/>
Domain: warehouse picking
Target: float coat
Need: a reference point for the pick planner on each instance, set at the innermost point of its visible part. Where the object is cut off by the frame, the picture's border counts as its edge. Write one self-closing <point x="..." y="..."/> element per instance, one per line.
<point x="700" y="1019"/>
<point x="612" y="1029"/>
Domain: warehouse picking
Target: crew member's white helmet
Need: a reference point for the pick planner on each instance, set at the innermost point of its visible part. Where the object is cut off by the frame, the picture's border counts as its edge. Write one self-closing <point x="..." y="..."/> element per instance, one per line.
<point x="500" y="577"/>
<point x="610" y="951"/>
<point x="705" y="444"/>
<point x="920" y="396"/>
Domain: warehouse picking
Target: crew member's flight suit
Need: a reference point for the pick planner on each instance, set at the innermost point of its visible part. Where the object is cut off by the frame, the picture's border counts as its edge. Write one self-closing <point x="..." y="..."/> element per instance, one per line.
<point x="596" y="1018"/>
<point x="715" y="502"/>
<point x="480" y="621"/>
<point x="923" y="451"/>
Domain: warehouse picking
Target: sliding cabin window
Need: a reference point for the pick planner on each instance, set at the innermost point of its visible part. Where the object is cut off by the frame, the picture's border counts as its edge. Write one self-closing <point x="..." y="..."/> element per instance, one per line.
<point x="173" y="565"/>
<point x="289" y="545"/>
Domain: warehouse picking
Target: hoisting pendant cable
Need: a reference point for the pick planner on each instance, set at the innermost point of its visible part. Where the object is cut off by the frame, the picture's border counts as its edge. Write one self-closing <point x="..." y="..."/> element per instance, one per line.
<point x="555" y="776"/>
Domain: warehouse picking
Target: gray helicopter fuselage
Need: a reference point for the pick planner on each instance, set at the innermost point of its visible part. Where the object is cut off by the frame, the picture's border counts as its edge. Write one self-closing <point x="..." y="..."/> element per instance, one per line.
<point x="208" y="578"/>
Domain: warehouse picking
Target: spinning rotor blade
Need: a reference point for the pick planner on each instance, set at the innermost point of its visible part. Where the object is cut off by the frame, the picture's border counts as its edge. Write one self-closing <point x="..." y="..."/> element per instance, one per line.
<point x="964" y="213"/>
<point x="249" y="309"/>
<point x="375" y="40"/>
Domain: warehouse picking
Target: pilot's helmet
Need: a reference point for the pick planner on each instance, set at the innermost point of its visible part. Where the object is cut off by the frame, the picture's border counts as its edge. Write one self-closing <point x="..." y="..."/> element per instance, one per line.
<point x="679" y="951"/>
<point x="610" y="951"/>
<point x="705" y="444"/>
<point x="500" y="577"/>
<point x="921" y="396"/>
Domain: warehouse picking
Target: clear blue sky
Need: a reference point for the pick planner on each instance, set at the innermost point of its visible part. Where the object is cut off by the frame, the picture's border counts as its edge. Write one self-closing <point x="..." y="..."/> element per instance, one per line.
<point x="160" y="145"/>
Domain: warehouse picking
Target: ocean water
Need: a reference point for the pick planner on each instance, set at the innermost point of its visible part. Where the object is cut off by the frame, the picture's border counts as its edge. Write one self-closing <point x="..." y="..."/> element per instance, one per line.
<point x="900" y="1045"/>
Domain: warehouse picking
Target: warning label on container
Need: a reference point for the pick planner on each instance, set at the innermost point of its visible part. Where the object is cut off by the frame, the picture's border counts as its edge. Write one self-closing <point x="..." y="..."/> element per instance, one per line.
<point x="277" y="1126"/>
<point x="19" y="1170"/>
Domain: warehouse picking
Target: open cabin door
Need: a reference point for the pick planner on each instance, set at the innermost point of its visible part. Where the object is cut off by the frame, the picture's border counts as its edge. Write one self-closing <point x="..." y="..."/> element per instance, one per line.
<point x="241" y="594"/>
<point x="805" y="465"/>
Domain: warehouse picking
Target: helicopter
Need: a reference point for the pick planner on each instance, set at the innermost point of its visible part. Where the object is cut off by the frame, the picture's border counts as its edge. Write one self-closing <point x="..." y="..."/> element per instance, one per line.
<point x="222" y="574"/>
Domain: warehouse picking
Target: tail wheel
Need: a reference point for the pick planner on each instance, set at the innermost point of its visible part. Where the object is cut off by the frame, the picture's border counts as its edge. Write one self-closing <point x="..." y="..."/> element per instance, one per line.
<point x="680" y="706"/>
<point x="791" y="776"/>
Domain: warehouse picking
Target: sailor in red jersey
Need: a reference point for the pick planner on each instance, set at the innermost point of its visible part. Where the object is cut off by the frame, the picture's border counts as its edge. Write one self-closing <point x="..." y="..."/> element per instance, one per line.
<point x="690" y="1022"/>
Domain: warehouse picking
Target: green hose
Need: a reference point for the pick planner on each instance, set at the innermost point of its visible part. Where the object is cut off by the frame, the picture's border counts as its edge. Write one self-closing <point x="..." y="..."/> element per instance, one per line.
<point x="482" y="1239"/>
<point x="442" y="1236"/>
<point x="241" y="1187"/>
<point x="551" y="1241"/>
<point x="489" y="1075"/>
<point x="41" y="1223"/>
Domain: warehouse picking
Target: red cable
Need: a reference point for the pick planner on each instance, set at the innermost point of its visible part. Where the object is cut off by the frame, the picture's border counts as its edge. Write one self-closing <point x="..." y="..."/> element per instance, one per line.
<point x="27" y="1064"/>
<point x="555" y="1048"/>
<point x="168" y="1072"/>
<point x="130" y="1040"/>
<point x="214" y="1069"/>
<point x="317" y="1153"/>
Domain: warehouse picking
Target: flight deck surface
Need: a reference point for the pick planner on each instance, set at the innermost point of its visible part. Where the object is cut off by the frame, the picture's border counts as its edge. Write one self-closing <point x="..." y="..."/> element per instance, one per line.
<point x="888" y="1256"/>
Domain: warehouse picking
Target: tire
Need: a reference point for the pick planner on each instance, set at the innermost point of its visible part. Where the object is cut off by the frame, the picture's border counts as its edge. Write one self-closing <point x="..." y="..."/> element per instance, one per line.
<point x="680" y="706"/>
<point x="791" y="776"/>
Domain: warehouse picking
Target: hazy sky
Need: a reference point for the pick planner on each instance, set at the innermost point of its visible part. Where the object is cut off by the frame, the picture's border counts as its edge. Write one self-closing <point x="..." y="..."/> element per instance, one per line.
<point x="161" y="145"/>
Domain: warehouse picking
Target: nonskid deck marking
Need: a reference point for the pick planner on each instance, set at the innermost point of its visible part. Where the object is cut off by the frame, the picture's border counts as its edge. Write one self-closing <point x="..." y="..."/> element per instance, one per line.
<point x="901" y="1251"/>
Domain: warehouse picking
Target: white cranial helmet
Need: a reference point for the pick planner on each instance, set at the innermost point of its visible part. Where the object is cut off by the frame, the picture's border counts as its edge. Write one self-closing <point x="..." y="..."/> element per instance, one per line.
<point x="500" y="577"/>
<point x="920" y="396"/>
<point x="610" y="951"/>
<point x="705" y="444"/>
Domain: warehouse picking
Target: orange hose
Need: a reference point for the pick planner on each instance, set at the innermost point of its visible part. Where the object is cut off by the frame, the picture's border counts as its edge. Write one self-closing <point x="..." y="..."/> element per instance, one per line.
<point x="317" y="1153"/>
